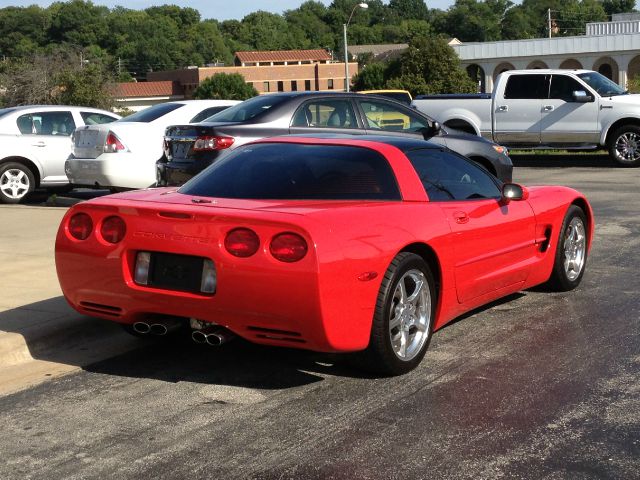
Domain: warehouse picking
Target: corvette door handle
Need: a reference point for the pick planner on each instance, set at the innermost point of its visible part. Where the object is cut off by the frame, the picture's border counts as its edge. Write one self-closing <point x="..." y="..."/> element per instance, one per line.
<point x="547" y="108"/>
<point x="503" y="108"/>
<point x="39" y="144"/>
<point x="461" y="217"/>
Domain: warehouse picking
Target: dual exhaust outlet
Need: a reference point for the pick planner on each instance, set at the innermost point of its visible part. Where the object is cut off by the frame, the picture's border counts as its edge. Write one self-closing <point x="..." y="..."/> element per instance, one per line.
<point x="213" y="335"/>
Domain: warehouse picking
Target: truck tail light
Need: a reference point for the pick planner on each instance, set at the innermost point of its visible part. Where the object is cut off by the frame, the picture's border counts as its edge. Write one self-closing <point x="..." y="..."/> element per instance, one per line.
<point x="80" y="226"/>
<point x="207" y="143"/>
<point x="113" y="229"/>
<point x="288" y="247"/>
<point x="242" y="242"/>
<point x="113" y="144"/>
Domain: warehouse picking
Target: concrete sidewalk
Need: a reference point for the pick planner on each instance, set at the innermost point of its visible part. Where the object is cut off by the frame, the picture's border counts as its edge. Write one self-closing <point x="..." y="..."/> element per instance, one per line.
<point x="40" y="335"/>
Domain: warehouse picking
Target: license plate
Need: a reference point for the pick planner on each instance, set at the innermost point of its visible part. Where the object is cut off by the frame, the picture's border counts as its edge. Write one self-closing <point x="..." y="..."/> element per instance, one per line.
<point x="176" y="272"/>
<point x="180" y="149"/>
<point x="86" y="138"/>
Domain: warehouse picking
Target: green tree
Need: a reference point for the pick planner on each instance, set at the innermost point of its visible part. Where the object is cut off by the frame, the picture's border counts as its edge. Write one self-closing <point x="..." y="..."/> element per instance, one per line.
<point x="430" y="66"/>
<point x="476" y="21"/>
<point x="78" y="22"/>
<point x="371" y="77"/>
<point x="225" y="86"/>
<point x="56" y="79"/>
<point x="410" y="9"/>
<point x="90" y="86"/>
<point x="618" y="6"/>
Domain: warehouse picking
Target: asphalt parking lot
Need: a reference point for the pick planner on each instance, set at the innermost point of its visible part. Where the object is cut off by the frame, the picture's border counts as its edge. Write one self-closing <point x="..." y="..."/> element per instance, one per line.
<point x="538" y="385"/>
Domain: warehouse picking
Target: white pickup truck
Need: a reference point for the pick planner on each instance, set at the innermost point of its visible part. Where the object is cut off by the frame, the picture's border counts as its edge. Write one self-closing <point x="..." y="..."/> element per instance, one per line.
<point x="560" y="109"/>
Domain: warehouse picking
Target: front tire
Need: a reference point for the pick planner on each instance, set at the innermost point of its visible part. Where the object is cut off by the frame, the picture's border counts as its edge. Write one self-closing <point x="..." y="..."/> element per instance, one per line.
<point x="403" y="318"/>
<point x="571" y="252"/>
<point x="16" y="182"/>
<point x="624" y="146"/>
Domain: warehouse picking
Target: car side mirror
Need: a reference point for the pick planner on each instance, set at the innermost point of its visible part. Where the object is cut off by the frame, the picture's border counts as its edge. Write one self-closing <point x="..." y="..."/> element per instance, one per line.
<point x="580" y="96"/>
<point x="513" y="191"/>
<point x="431" y="131"/>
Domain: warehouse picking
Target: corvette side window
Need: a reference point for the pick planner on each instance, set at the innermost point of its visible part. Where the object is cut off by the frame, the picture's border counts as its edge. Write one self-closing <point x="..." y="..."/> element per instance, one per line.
<point x="447" y="176"/>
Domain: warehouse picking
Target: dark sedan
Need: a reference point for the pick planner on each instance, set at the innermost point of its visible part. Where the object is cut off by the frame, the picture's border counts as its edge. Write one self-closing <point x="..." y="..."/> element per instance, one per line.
<point x="191" y="148"/>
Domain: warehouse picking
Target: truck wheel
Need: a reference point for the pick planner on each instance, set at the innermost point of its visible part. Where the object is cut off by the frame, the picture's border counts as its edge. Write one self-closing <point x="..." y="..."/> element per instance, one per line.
<point x="624" y="146"/>
<point x="403" y="319"/>
<point x="16" y="182"/>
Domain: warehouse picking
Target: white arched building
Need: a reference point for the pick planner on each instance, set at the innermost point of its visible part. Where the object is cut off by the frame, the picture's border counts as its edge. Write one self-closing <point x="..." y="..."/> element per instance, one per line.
<point x="614" y="51"/>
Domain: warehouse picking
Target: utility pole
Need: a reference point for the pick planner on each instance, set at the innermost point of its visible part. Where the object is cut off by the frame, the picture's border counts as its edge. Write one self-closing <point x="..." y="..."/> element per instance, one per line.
<point x="549" y="21"/>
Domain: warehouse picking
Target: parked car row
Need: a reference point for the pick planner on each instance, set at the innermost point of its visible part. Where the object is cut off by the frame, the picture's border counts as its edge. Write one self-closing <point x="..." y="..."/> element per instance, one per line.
<point x="168" y="143"/>
<point x="190" y="148"/>
<point x="123" y="155"/>
<point x="35" y="144"/>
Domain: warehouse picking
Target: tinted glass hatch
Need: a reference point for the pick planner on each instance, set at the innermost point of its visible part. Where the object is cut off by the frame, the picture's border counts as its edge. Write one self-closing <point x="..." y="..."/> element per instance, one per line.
<point x="294" y="171"/>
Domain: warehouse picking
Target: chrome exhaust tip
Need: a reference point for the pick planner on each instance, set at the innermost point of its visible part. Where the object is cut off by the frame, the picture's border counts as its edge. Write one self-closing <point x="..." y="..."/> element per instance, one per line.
<point x="141" y="327"/>
<point x="158" y="329"/>
<point x="213" y="335"/>
<point x="199" y="336"/>
<point x="219" y="337"/>
<point x="165" y="326"/>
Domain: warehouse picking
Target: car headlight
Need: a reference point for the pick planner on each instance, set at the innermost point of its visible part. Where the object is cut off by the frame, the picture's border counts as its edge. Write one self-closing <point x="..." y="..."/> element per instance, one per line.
<point x="501" y="149"/>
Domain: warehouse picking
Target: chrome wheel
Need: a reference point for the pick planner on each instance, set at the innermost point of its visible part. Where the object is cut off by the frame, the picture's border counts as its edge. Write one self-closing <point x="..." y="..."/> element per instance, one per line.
<point x="627" y="147"/>
<point x="14" y="183"/>
<point x="410" y="315"/>
<point x="575" y="247"/>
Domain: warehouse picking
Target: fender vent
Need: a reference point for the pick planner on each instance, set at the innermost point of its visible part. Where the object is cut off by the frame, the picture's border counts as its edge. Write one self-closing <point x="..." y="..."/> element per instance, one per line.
<point x="544" y="245"/>
<point x="274" y="334"/>
<point x="101" y="309"/>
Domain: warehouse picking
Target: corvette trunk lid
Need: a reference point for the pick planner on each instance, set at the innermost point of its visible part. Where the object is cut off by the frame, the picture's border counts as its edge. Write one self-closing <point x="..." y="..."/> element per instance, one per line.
<point x="170" y="199"/>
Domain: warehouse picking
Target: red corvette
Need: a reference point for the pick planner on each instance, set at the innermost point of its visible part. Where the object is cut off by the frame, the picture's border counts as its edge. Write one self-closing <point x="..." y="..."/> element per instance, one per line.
<point x="336" y="244"/>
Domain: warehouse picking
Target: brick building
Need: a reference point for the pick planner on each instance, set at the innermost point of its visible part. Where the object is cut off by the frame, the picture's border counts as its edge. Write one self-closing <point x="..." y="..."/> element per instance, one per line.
<point x="272" y="71"/>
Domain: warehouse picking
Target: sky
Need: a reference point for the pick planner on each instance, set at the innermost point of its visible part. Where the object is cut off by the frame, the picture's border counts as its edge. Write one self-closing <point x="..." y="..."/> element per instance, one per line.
<point x="218" y="9"/>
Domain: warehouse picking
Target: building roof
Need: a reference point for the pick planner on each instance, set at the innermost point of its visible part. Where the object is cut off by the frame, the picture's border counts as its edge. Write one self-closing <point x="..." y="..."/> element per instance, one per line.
<point x="149" y="89"/>
<point x="284" y="56"/>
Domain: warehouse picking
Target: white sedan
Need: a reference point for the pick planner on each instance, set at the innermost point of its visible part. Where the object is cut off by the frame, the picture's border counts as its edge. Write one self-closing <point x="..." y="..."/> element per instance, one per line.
<point x="34" y="144"/>
<point x="123" y="155"/>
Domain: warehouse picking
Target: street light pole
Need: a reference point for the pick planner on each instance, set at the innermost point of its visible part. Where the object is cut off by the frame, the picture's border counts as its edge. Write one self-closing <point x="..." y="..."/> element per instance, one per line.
<point x="344" y="38"/>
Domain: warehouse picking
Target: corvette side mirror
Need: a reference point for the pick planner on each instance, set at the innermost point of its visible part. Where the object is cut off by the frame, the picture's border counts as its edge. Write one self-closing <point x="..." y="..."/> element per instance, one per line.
<point x="513" y="191"/>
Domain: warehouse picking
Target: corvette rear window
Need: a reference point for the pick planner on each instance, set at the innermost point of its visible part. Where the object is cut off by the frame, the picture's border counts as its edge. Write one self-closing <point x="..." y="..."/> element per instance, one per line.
<point x="303" y="172"/>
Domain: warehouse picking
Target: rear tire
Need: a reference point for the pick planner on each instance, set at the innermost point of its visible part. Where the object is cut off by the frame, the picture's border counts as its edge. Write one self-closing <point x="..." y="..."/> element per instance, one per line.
<point x="624" y="146"/>
<point x="571" y="252"/>
<point x="403" y="318"/>
<point x="16" y="182"/>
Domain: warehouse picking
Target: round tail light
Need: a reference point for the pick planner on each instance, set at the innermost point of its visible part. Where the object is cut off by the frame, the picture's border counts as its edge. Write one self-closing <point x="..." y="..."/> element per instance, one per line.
<point x="113" y="229"/>
<point x="242" y="242"/>
<point x="288" y="247"/>
<point x="80" y="226"/>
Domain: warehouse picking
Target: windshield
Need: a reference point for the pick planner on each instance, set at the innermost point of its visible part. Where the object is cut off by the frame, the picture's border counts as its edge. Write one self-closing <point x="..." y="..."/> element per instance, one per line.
<point x="6" y="111"/>
<point x="601" y="84"/>
<point x="248" y="109"/>
<point x="301" y="172"/>
<point x="152" y="113"/>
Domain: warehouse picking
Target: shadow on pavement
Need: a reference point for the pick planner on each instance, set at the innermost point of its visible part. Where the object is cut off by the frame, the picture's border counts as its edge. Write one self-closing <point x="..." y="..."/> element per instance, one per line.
<point x="53" y="332"/>
<point x="50" y="331"/>
<point x="563" y="161"/>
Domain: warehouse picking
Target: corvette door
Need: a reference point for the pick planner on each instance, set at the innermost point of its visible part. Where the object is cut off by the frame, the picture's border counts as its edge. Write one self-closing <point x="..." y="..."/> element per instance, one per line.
<point x="493" y="240"/>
